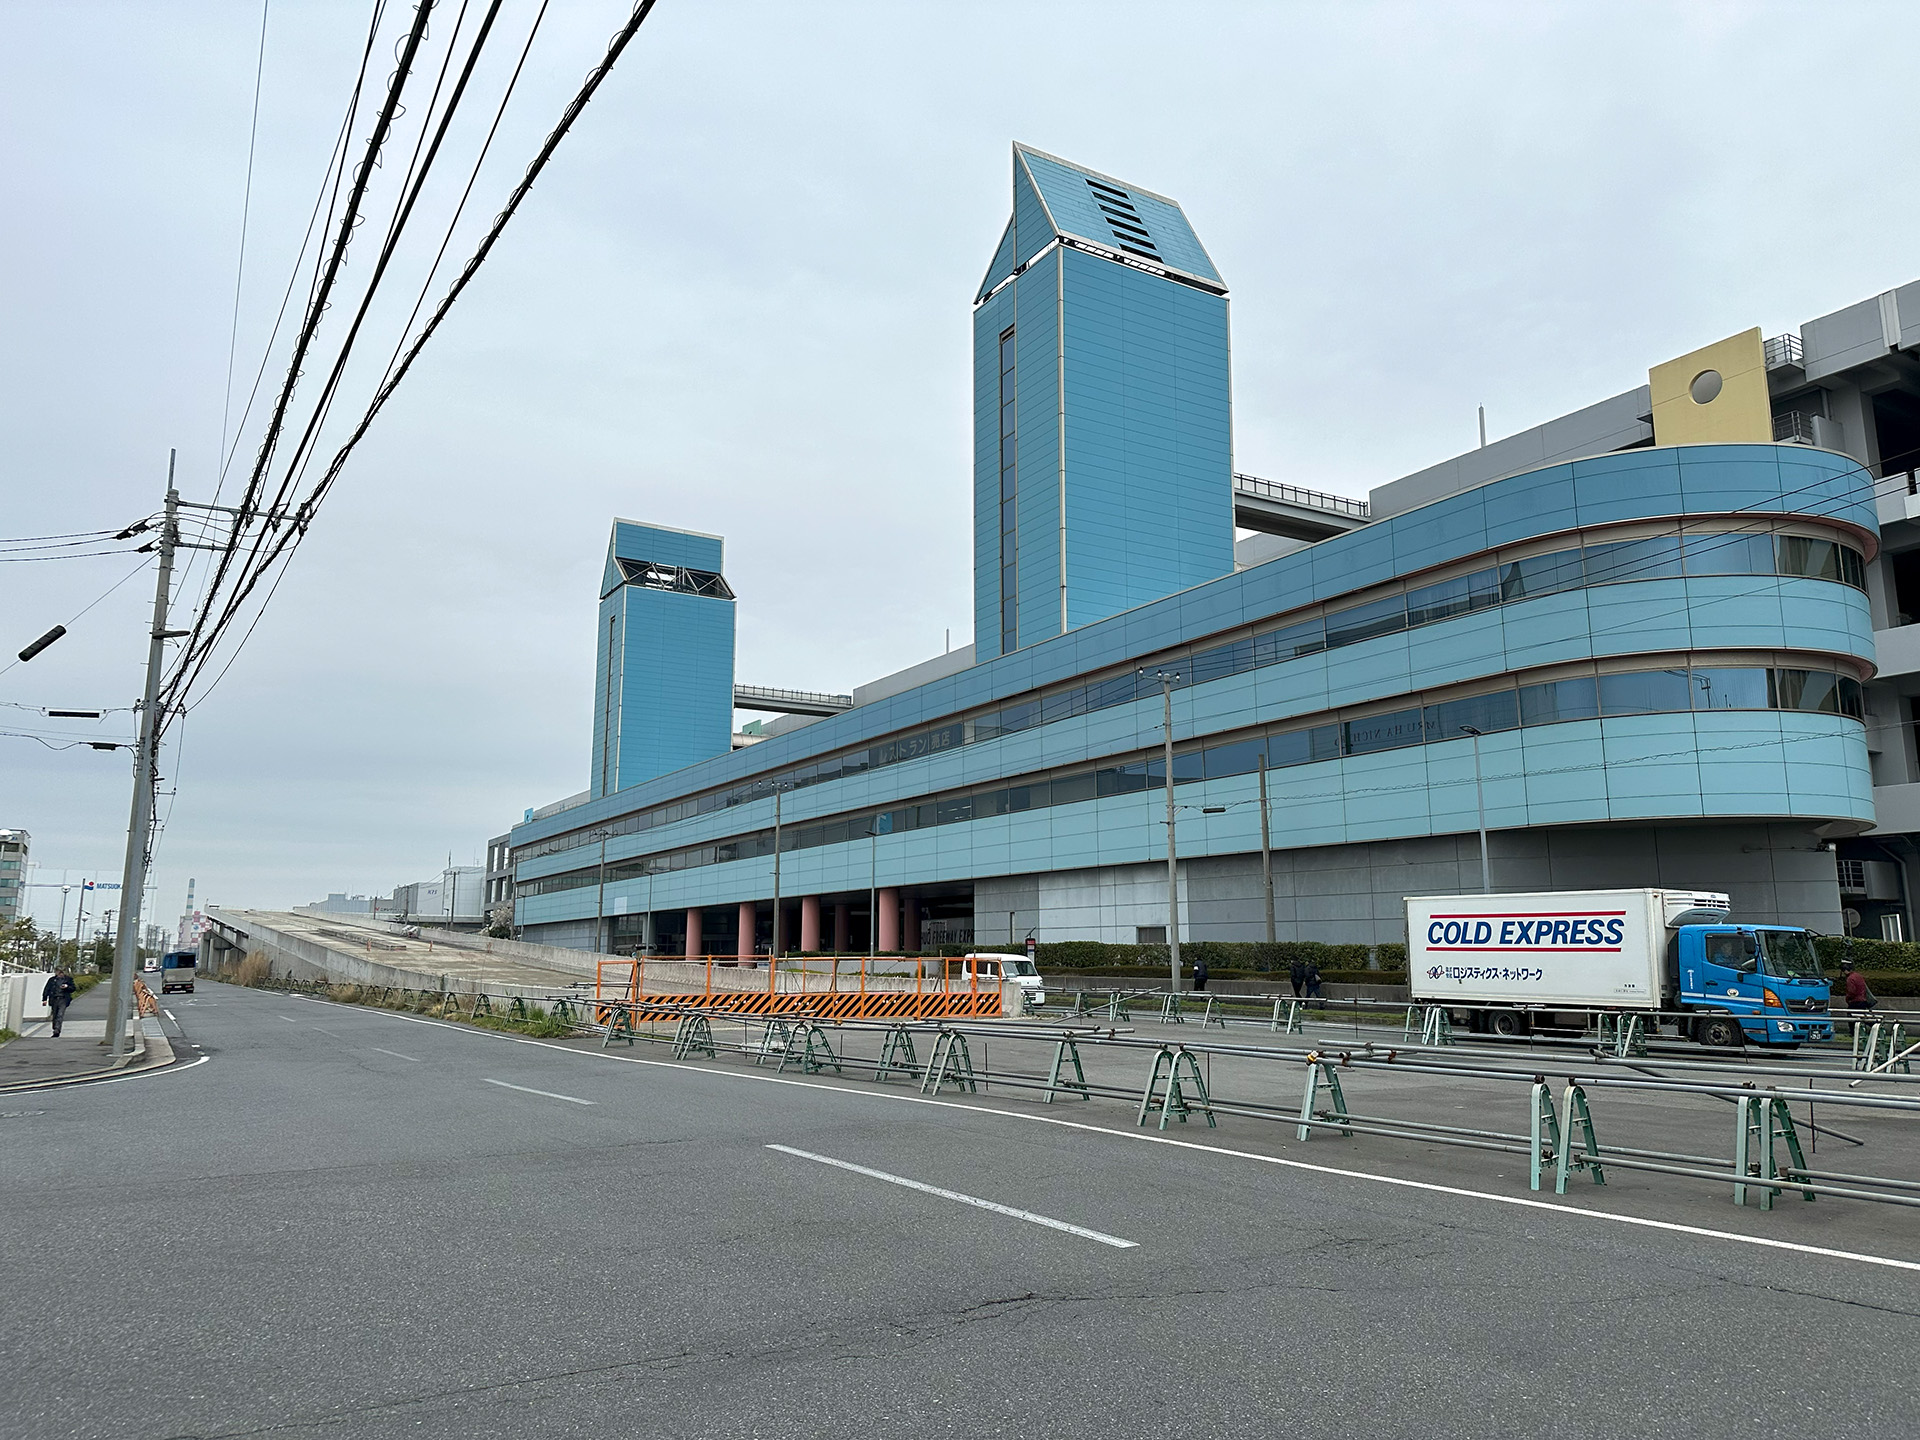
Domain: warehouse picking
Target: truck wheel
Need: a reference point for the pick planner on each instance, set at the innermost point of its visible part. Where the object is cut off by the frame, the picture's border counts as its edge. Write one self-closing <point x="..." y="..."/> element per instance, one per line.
<point x="1509" y="1023"/>
<point x="1722" y="1032"/>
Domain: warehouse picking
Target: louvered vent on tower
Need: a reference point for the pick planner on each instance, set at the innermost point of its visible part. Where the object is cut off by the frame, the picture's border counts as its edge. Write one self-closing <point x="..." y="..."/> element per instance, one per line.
<point x="1129" y="230"/>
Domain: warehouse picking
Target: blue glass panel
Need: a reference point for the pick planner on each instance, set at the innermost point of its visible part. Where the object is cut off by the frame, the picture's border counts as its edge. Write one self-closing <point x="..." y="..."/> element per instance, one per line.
<point x="1384" y="732"/>
<point x="1363" y="622"/>
<point x="1240" y="757"/>
<point x="1499" y="710"/>
<point x="1723" y="688"/>
<point x="1807" y="690"/>
<point x="1644" y="692"/>
<point x="1541" y="575"/>
<point x="1457" y="596"/>
<point x="1303" y="747"/>
<point x="1655" y="558"/>
<point x="1731" y="555"/>
<point x="1559" y="700"/>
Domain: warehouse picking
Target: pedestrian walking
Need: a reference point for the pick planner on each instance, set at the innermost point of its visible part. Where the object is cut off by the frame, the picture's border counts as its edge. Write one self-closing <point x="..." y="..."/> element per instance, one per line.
<point x="1313" y="980"/>
<point x="1859" y="995"/>
<point x="1199" y="975"/>
<point x="57" y="993"/>
<point x="1297" y="977"/>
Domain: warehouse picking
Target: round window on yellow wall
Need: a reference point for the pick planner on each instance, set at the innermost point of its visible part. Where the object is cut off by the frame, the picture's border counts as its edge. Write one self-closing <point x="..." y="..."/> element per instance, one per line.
<point x="1705" y="387"/>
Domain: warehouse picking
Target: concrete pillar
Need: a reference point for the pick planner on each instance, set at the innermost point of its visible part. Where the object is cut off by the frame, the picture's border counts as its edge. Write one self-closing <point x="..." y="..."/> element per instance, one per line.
<point x="694" y="950"/>
<point x="842" y="928"/>
<point x="810" y="923"/>
<point x="910" y="926"/>
<point x="744" y="950"/>
<point x="889" y="919"/>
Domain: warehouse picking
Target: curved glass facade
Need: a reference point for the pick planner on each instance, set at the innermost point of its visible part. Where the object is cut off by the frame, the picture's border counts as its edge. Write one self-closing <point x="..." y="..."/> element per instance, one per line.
<point x="1665" y="636"/>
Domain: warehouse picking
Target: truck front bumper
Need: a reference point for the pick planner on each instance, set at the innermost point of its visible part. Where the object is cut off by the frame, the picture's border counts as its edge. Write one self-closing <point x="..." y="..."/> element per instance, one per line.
<point x="1787" y="1029"/>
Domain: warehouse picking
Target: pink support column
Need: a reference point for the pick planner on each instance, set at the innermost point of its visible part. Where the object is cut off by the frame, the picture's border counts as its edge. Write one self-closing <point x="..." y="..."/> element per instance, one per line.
<point x="744" y="950"/>
<point x="910" y="940"/>
<point x="693" y="935"/>
<point x="889" y="903"/>
<point x="842" y="928"/>
<point x="810" y="924"/>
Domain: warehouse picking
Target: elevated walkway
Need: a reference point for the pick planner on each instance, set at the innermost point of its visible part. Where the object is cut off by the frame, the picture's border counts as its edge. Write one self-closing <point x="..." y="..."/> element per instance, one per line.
<point x="1274" y="508"/>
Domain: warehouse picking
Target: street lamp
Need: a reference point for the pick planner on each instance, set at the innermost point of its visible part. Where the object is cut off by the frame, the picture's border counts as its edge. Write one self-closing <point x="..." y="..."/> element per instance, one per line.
<point x="600" y="905"/>
<point x="1480" y="804"/>
<point x="1167" y="679"/>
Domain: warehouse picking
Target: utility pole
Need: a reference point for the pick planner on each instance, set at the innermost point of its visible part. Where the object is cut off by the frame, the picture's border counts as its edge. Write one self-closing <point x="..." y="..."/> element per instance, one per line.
<point x="1166" y="678"/>
<point x="133" y="880"/>
<point x="1266" y="850"/>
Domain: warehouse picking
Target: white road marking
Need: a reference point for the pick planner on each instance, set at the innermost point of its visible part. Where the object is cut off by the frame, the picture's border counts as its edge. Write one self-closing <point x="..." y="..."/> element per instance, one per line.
<point x="395" y="1053"/>
<point x="974" y="1200"/>
<point x="290" y="1020"/>
<point x="168" y="1013"/>
<point x="1642" y="1222"/>
<point x="529" y="1090"/>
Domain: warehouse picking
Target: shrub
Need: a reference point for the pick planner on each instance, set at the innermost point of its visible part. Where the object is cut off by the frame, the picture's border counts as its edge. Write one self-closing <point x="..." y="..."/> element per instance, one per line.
<point x="1873" y="956"/>
<point x="1222" y="956"/>
<point x="255" y="970"/>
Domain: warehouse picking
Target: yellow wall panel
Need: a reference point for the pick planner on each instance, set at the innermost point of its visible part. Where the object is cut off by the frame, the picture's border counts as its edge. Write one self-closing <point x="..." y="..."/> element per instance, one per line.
<point x="1736" y="411"/>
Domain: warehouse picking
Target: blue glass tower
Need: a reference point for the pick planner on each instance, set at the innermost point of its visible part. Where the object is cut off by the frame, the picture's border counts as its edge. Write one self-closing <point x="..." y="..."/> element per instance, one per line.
<point x="1103" y="413"/>
<point x="663" y="676"/>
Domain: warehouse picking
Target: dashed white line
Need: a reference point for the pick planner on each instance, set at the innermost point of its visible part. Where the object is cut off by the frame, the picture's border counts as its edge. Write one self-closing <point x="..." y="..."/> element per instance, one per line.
<point x="1146" y="1138"/>
<point x="395" y="1053"/>
<point x="549" y="1094"/>
<point x="168" y="1013"/>
<point x="974" y="1200"/>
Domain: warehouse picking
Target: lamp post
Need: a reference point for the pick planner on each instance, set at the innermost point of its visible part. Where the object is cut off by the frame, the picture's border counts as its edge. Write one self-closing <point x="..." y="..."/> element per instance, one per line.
<point x="873" y="885"/>
<point x="776" y="870"/>
<point x="1266" y="849"/>
<point x="1480" y="804"/>
<point x="1166" y="679"/>
<point x="600" y="905"/>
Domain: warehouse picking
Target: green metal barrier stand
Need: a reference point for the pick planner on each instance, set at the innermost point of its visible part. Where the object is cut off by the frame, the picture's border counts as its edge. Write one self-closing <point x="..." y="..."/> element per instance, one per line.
<point x="1321" y="1072"/>
<point x="693" y="1036"/>
<point x="896" y="1054"/>
<point x="1064" y="1050"/>
<point x="1185" y="1092"/>
<point x="950" y="1064"/>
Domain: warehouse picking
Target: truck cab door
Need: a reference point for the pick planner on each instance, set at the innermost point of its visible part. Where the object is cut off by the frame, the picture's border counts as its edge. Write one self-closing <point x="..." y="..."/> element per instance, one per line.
<point x="1729" y="974"/>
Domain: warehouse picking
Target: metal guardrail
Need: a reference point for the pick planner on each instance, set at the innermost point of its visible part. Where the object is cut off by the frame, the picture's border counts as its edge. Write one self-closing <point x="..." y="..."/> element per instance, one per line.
<point x="745" y="695"/>
<point x="1793" y="426"/>
<point x="1768" y="1157"/>
<point x="1781" y="351"/>
<point x="1295" y="495"/>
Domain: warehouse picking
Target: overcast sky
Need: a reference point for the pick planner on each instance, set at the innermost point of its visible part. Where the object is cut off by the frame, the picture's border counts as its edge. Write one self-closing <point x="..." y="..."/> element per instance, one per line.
<point x="739" y="302"/>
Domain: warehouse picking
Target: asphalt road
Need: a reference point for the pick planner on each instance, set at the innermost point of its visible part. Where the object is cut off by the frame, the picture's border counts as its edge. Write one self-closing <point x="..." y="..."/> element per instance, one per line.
<point x="349" y="1223"/>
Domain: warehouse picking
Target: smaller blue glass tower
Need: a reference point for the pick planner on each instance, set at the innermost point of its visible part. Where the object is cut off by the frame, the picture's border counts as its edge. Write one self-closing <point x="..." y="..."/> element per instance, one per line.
<point x="663" y="673"/>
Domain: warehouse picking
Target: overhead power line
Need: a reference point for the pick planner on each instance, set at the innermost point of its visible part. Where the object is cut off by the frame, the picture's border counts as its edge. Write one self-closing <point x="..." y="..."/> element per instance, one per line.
<point x="283" y="531"/>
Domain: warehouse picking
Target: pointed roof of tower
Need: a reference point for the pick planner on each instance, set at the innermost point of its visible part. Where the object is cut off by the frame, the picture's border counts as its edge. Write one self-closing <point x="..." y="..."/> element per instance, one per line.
<point x="1056" y="199"/>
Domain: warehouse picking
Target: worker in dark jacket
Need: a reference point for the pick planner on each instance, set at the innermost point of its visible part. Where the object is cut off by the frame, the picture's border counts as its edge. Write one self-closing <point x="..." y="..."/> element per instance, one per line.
<point x="57" y="994"/>
<point x="1199" y="975"/>
<point x="1297" y="976"/>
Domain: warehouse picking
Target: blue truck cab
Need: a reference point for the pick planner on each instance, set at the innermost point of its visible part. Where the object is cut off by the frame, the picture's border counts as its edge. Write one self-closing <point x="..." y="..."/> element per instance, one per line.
<point x="1757" y="984"/>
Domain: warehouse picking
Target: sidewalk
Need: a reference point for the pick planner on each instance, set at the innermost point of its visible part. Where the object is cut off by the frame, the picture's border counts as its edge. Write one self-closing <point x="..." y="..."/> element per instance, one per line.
<point x="36" y="1057"/>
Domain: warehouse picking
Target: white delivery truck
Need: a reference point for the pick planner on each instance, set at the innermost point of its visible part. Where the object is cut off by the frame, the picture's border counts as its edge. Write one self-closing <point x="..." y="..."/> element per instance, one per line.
<point x="989" y="970"/>
<point x="1513" y="961"/>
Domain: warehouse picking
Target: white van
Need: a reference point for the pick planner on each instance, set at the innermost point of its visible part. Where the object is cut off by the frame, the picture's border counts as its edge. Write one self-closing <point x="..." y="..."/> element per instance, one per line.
<point x="994" y="969"/>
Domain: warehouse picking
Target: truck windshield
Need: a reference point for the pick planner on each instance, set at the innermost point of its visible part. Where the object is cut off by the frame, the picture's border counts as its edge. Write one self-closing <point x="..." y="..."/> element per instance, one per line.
<point x="1790" y="955"/>
<point x="1021" y="967"/>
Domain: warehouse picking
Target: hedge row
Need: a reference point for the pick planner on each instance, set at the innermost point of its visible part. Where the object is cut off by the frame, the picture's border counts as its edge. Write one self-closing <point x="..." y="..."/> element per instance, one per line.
<point x="1250" y="956"/>
<point x="1876" y="957"/>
